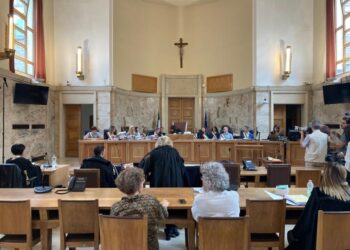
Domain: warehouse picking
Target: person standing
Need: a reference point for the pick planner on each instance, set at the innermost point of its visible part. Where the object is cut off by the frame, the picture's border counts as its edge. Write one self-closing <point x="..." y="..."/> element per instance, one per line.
<point x="315" y="145"/>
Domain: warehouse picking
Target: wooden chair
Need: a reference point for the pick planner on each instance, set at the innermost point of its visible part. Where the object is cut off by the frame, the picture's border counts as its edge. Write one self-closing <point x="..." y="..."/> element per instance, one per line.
<point x="234" y="172"/>
<point x="223" y="233"/>
<point x="16" y="225"/>
<point x="303" y="176"/>
<point x="332" y="230"/>
<point x="78" y="223"/>
<point x="92" y="176"/>
<point x="123" y="233"/>
<point x="267" y="219"/>
<point x="278" y="174"/>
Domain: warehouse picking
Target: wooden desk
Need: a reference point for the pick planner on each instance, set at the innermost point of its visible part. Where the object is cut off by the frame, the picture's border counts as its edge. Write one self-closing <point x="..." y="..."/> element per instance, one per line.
<point x="192" y="151"/>
<point x="57" y="176"/>
<point x="46" y="204"/>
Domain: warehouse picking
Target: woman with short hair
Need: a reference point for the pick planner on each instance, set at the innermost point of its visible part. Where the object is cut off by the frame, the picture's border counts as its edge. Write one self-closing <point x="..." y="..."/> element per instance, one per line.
<point x="215" y="201"/>
<point x="332" y="195"/>
<point x="130" y="182"/>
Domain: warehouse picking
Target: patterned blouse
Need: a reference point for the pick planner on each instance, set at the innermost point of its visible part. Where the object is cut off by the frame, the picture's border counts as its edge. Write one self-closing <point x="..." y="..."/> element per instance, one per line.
<point x="142" y="204"/>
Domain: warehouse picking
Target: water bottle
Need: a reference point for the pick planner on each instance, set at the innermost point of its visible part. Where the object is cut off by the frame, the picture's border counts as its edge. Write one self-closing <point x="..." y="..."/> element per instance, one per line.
<point x="310" y="187"/>
<point x="53" y="161"/>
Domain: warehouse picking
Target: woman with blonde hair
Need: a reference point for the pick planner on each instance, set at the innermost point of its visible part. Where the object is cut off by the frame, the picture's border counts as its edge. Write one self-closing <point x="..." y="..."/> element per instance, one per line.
<point x="332" y="195"/>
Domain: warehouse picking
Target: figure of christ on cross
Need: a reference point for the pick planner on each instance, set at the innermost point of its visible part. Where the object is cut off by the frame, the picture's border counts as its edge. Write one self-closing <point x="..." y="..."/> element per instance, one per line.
<point x="181" y="45"/>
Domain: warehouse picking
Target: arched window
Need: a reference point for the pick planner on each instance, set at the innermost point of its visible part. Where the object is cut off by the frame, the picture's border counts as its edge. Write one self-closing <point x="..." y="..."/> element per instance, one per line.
<point x="23" y="11"/>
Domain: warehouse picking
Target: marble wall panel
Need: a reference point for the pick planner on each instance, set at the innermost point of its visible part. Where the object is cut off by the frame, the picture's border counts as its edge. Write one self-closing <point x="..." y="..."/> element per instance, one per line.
<point x="235" y="110"/>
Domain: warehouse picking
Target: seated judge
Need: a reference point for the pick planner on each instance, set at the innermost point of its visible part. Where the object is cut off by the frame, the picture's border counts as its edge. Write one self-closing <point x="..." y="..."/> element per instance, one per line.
<point x="201" y="134"/>
<point x="214" y="133"/>
<point x="246" y="133"/>
<point x="332" y="195"/>
<point x="26" y="166"/>
<point x="93" y="134"/>
<point x="226" y="135"/>
<point x="275" y="133"/>
<point x="135" y="203"/>
<point x="112" y="133"/>
<point x="215" y="201"/>
<point x="107" y="174"/>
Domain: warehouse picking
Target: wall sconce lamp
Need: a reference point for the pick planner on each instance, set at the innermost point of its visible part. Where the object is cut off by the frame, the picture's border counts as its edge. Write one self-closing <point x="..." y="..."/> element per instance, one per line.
<point x="79" y="69"/>
<point x="9" y="50"/>
<point x="287" y="62"/>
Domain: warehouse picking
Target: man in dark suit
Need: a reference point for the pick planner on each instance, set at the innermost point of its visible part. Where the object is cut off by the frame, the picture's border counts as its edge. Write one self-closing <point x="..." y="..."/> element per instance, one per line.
<point x="106" y="168"/>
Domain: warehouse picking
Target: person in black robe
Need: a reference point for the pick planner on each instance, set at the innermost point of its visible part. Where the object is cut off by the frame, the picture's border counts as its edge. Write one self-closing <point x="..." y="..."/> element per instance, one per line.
<point x="26" y="166"/>
<point x="332" y="195"/>
<point x="164" y="167"/>
<point x="107" y="174"/>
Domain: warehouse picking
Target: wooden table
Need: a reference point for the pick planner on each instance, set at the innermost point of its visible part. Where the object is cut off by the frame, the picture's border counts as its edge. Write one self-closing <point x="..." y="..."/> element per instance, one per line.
<point x="57" y="176"/>
<point x="45" y="204"/>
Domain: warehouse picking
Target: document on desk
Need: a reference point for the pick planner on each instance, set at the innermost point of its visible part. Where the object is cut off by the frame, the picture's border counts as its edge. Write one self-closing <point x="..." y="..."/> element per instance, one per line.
<point x="198" y="190"/>
<point x="291" y="199"/>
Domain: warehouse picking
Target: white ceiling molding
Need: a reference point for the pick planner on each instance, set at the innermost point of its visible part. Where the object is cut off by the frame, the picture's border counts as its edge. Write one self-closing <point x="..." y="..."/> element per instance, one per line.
<point x="179" y="2"/>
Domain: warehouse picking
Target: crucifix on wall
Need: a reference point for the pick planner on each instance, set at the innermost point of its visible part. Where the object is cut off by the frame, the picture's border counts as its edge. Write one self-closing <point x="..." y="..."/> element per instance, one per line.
<point x="181" y="45"/>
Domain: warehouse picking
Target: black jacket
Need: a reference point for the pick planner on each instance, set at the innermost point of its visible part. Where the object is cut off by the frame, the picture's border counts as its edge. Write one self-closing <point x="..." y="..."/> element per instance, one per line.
<point x="303" y="235"/>
<point x="32" y="170"/>
<point x="106" y="170"/>
<point x="164" y="167"/>
<point x="10" y="176"/>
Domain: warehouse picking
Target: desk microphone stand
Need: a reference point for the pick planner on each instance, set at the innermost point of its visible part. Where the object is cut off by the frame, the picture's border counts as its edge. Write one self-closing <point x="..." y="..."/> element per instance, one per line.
<point x="4" y="83"/>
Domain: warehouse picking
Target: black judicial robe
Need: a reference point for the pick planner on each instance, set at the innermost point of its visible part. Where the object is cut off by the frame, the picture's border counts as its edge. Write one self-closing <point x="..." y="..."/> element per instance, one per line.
<point x="164" y="167"/>
<point x="105" y="167"/>
<point x="303" y="235"/>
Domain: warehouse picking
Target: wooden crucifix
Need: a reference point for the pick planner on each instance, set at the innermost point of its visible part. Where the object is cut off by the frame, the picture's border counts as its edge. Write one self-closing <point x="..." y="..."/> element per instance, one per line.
<point x="181" y="45"/>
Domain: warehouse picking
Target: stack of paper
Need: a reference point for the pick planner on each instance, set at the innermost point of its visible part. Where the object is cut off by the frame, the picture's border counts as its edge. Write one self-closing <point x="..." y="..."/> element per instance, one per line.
<point x="297" y="199"/>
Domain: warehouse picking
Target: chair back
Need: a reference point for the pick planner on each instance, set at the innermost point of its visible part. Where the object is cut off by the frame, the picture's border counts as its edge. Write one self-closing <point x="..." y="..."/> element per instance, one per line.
<point x="266" y="216"/>
<point x="234" y="172"/>
<point x="123" y="233"/>
<point x="78" y="217"/>
<point x="303" y="176"/>
<point x="278" y="174"/>
<point x="223" y="233"/>
<point x="16" y="218"/>
<point x="332" y="230"/>
<point x="10" y="176"/>
<point x="92" y="176"/>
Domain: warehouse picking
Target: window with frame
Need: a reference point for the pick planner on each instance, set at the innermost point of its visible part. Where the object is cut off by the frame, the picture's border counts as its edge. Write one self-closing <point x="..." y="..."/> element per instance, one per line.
<point x="24" y="35"/>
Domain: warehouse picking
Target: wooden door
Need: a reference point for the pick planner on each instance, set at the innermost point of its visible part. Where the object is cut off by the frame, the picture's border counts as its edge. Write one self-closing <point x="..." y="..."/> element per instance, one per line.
<point x="73" y="129"/>
<point x="181" y="110"/>
<point x="279" y="117"/>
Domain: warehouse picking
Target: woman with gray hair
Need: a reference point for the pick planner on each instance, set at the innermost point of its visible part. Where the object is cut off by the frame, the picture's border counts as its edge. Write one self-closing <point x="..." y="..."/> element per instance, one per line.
<point x="216" y="200"/>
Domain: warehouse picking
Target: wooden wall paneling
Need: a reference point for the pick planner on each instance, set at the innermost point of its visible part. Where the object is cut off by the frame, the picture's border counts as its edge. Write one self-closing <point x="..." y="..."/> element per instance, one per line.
<point x="116" y="152"/>
<point x="141" y="83"/>
<point x="295" y="154"/>
<point x="273" y="149"/>
<point x="203" y="151"/>
<point x="185" y="150"/>
<point x="225" y="151"/>
<point x="221" y="83"/>
<point x="137" y="150"/>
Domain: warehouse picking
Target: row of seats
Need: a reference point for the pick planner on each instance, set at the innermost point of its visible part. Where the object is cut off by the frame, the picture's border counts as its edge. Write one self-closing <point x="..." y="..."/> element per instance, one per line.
<point x="277" y="174"/>
<point x="81" y="226"/>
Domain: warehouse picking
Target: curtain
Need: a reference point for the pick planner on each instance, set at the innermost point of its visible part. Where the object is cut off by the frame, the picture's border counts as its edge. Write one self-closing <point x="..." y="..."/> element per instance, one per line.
<point x="12" y="59"/>
<point x="39" y="64"/>
<point x="330" y="55"/>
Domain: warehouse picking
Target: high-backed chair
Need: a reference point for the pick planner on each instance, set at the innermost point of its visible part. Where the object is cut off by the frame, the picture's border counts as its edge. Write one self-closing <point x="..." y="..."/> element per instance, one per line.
<point x="223" y="233"/>
<point x="333" y="230"/>
<point x="123" y="233"/>
<point x="234" y="172"/>
<point x="278" y="174"/>
<point x="266" y="222"/>
<point x="92" y="176"/>
<point x="16" y="225"/>
<point x="303" y="176"/>
<point x="11" y="176"/>
<point x="78" y="223"/>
